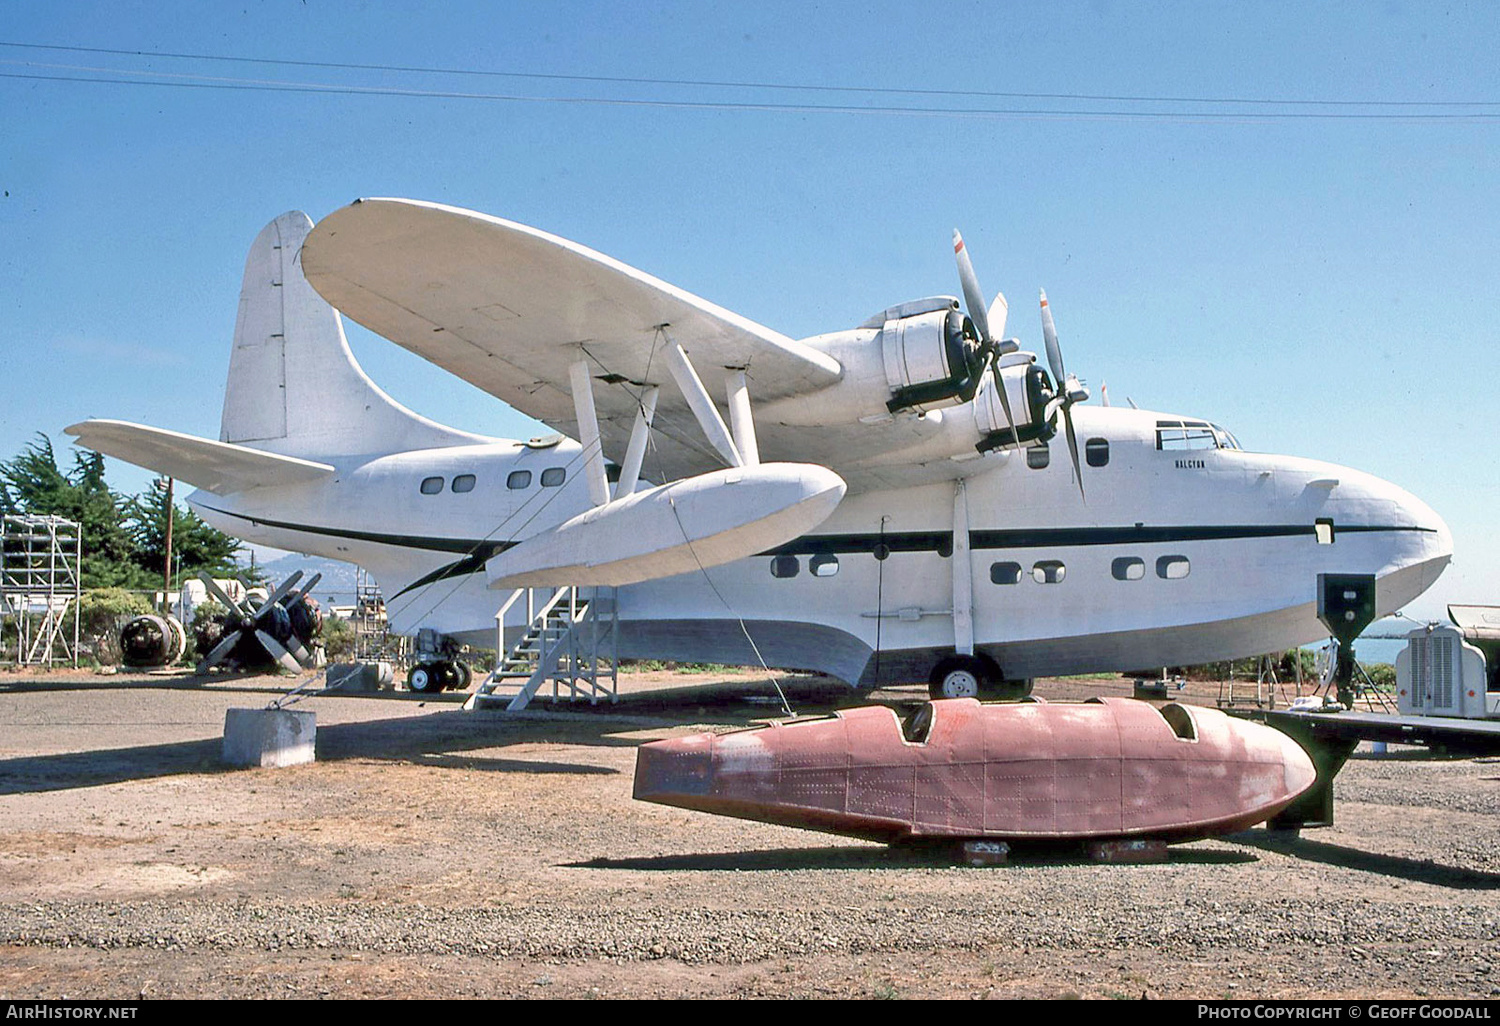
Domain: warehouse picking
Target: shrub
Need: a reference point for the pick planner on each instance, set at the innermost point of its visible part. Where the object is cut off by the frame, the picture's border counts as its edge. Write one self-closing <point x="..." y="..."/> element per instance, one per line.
<point x="102" y="612"/>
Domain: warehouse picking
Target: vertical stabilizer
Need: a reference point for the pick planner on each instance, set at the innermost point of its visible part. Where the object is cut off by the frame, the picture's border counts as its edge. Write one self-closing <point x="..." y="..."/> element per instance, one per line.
<point x="294" y="387"/>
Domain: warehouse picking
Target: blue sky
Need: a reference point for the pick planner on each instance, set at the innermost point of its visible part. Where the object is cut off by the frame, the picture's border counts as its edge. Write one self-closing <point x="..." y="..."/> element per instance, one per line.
<point x="1324" y="286"/>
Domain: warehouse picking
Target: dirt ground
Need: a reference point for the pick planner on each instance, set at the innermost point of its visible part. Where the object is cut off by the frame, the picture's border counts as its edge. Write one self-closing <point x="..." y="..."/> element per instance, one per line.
<point x="433" y="852"/>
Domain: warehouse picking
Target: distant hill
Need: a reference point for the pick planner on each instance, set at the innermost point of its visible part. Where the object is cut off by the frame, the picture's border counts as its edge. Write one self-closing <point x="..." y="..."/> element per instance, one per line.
<point x="337" y="585"/>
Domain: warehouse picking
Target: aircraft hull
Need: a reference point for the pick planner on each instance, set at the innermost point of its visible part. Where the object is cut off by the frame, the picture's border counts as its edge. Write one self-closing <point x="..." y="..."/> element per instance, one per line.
<point x="1110" y="769"/>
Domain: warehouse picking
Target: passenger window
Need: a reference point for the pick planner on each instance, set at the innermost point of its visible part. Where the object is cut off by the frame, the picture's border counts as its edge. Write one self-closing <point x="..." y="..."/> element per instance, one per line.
<point x="824" y="564"/>
<point x="1038" y="456"/>
<point x="518" y="479"/>
<point x="1005" y="573"/>
<point x="463" y="483"/>
<point x="1128" y="568"/>
<point x="1096" y="452"/>
<point x="1324" y="531"/>
<point x="552" y="477"/>
<point x="1172" y="568"/>
<point x="784" y="566"/>
<point x="431" y="485"/>
<point x="1048" y="571"/>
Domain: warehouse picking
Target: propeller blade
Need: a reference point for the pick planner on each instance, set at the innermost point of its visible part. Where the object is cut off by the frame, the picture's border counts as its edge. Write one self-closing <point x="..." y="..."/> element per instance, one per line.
<point x="219" y="594"/>
<point x="279" y="594"/>
<point x="1104" y="392"/>
<point x="299" y="651"/>
<point x="973" y="297"/>
<point x="1010" y="420"/>
<point x="999" y="310"/>
<point x="303" y="591"/>
<point x="1054" y="351"/>
<point x="1067" y="412"/>
<point x="219" y="651"/>
<point x="278" y="653"/>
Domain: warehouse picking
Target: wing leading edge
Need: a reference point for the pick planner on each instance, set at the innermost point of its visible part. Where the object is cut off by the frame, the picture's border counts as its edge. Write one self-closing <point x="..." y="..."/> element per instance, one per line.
<point x="509" y="308"/>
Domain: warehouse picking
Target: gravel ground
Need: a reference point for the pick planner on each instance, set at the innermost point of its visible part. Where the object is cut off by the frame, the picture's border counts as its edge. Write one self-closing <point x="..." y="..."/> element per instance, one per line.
<point x="432" y="852"/>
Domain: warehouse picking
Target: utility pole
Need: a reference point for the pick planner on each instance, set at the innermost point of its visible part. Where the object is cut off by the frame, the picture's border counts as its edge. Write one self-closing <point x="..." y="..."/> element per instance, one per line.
<point x="166" y="590"/>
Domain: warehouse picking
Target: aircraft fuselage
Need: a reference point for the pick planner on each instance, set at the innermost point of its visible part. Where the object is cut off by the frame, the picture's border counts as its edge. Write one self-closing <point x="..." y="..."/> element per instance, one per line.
<point x="1177" y="556"/>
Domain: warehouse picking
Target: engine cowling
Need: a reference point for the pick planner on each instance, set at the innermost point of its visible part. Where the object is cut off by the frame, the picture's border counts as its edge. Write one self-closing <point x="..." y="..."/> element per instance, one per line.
<point x="916" y="357"/>
<point x="931" y="359"/>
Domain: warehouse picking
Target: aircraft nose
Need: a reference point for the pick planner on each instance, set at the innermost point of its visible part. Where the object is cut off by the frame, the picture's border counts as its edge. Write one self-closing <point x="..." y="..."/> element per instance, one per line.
<point x="1437" y="539"/>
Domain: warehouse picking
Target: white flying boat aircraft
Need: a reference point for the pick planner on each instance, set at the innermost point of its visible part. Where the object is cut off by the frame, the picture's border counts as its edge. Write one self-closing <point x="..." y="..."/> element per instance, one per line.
<point x="914" y="498"/>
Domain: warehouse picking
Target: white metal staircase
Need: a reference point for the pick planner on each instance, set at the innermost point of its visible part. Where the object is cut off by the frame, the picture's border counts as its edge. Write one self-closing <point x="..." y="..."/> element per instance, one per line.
<point x="571" y="640"/>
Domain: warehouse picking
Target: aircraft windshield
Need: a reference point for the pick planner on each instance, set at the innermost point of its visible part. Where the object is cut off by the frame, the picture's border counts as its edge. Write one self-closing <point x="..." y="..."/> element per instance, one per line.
<point x="1178" y="435"/>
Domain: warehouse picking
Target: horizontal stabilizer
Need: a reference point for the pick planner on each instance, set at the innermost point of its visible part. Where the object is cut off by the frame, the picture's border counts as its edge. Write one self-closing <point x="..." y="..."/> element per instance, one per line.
<point x="218" y="467"/>
<point x="681" y="527"/>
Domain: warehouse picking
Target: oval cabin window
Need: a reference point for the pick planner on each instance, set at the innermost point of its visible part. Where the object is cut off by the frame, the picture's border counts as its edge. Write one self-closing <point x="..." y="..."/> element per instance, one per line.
<point x="1005" y="573"/>
<point x="823" y="565"/>
<point x="463" y="483"/>
<point x="1048" y="571"/>
<point x="431" y="485"/>
<point x="1128" y="568"/>
<point x="1172" y="568"/>
<point x="1037" y="457"/>
<point x="552" y="477"/>
<point x="784" y="566"/>
<point x="1096" y="452"/>
<point x="518" y="479"/>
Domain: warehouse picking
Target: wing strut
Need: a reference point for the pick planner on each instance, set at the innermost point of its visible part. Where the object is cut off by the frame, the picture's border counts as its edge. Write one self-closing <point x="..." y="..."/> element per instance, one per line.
<point x="963" y="573"/>
<point x="740" y="420"/>
<point x="701" y="404"/>
<point x="588" y="431"/>
<point x="635" y="452"/>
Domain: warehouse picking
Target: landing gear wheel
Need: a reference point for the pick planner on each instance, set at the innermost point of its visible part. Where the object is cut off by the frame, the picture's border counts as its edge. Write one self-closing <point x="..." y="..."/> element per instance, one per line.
<point x="1007" y="690"/>
<point x="424" y="679"/>
<point x="961" y="677"/>
<point x="465" y="676"/>
<point x="448" y="675"/>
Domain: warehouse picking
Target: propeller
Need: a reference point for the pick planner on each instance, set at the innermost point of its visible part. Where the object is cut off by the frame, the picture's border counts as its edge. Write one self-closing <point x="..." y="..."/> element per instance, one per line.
<point x="244" y="620"/>
<point x="990" y="350"/>
<point x="1069" y="389"/>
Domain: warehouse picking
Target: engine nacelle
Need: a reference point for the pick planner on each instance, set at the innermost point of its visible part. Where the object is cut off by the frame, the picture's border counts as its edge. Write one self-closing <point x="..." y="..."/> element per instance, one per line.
<point x="917" y="357"/>
<point x="1029" y="389"/>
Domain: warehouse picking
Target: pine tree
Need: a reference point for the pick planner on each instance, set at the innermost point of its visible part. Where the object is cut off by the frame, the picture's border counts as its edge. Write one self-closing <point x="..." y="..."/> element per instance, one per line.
<point x="196" y="546"/>
<point x="123" y="539"/>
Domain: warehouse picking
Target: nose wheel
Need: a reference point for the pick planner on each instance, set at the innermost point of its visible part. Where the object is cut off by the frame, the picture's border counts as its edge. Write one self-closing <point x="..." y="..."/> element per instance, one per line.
<point x="975" y="676"/>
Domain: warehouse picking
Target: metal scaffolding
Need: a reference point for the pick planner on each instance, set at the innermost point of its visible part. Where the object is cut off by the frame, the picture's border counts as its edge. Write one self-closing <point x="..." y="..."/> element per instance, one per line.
<point x="40" y="586"/>
<point x="373" y="640"/>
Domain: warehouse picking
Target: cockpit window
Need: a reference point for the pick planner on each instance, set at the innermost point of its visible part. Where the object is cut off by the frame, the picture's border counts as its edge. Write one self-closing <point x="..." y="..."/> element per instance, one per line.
<point x="1180" y="435"/>
<point x="1226" y="438"/>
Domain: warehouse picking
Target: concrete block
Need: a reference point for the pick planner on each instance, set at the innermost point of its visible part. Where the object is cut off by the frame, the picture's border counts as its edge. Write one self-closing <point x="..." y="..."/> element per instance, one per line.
<point x="269" y="737"/>
<point x="985" y="853"/>
<point x="1141" y="851"/>
<point x="1146" y="690"/>
<point x="360" y="676"/>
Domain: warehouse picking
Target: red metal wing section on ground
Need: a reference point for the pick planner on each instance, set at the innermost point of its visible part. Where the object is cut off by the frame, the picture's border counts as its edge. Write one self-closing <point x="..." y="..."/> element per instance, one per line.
<point x="1035" y="770"/>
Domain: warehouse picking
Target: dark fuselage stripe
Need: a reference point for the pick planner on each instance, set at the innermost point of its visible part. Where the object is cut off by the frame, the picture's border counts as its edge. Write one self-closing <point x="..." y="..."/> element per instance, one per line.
<point x="476" y="552"/>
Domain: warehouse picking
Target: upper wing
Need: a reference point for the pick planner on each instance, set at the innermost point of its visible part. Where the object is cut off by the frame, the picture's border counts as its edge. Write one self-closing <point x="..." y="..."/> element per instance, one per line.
<point x="218" y="467"/>
<point x="509" y="308"/>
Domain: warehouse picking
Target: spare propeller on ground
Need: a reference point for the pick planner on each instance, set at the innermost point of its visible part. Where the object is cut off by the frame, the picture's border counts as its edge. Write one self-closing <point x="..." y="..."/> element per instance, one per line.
<point x="250" y="633"/>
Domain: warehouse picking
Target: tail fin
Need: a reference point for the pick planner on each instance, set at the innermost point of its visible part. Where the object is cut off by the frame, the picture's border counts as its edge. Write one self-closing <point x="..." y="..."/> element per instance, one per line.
<point x="294" y="387"/>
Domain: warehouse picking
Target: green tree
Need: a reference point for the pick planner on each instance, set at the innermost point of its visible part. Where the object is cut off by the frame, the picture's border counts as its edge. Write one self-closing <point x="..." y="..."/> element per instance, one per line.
<point x="33" y="485"/>
<point x="196" y="546"/>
